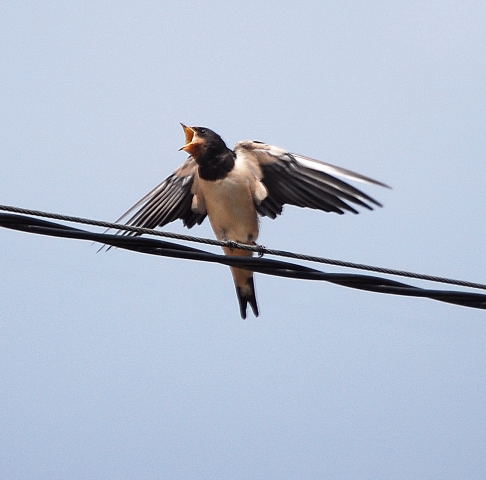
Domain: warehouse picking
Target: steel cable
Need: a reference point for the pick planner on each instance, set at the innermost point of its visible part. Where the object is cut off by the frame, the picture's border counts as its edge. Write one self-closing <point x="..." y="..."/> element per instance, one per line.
<point x="262" y="265"/>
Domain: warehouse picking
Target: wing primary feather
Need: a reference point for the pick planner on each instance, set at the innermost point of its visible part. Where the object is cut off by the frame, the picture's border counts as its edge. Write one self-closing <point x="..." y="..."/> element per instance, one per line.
<point x="162" y="213"/>
<point x="150" y="202"/>
<point x="343" y="186"/>
<point x="302" y="195"/>
<point x="337" y="191"/>
<point x="144" y="217"/>
<point x="330" y="169"/>
<point x="168" y="201"/>
<point x="303" y="181"/>
<point x="142" y="200"/>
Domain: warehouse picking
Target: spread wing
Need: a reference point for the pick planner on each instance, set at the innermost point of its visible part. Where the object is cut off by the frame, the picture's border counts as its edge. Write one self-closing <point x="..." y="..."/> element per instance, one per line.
<point x="168" y="201"/>
<point x="302" y="181"/>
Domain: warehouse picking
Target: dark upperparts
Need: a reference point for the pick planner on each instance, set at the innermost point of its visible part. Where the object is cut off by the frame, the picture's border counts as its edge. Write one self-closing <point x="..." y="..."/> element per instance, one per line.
<point x="208" y="149"/>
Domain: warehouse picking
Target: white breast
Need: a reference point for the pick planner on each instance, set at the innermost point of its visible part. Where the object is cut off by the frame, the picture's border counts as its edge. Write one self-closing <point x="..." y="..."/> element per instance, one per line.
<point x="230" y="206"/>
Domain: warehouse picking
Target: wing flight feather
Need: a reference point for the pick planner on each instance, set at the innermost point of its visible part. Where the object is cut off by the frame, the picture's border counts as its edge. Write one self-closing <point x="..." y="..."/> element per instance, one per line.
<point x="299" y="180"/>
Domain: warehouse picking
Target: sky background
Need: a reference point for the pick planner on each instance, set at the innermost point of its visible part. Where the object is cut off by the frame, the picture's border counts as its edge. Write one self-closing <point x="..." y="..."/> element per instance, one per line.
<point x="126" y="366"/>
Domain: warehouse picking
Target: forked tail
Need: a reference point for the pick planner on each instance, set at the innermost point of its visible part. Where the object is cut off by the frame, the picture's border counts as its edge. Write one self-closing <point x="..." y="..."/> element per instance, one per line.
<point x="246" y="295"/>
<point x="245" y="287"/>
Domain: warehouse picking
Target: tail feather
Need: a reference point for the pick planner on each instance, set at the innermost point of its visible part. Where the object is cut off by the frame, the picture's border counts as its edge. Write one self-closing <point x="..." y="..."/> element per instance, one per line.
<point x="245" y="287"/>
<point x="246" y="295"/>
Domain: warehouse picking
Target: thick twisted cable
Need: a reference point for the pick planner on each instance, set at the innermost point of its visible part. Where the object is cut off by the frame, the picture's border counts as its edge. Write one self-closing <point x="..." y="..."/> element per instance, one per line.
<point x="261" y="265"/>
<point x="254" y="248"/>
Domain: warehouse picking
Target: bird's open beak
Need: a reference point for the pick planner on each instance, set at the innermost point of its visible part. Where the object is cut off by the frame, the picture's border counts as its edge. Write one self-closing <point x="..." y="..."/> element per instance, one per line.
<point x="192" y="141"/>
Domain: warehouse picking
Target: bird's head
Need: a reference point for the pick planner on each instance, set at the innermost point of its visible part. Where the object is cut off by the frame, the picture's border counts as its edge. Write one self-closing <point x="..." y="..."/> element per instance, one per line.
<point x="201" y="141"/>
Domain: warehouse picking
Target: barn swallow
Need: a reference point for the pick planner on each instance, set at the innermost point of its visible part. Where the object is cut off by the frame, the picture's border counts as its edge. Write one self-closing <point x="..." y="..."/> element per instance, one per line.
<point x="233" y="187"/>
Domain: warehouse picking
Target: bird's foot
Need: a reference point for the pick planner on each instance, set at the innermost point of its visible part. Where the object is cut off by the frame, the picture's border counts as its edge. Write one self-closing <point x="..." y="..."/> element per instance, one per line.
<point x="261" y="250"/>
<point x="232" y="245"/>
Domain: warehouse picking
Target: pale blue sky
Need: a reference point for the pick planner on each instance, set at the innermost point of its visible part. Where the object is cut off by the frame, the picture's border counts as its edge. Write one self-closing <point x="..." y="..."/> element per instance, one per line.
<point x="127" y="366"/>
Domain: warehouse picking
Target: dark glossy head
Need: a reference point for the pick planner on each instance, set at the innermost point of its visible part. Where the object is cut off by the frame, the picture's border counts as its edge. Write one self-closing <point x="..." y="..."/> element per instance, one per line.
<point x="201" y="141"/>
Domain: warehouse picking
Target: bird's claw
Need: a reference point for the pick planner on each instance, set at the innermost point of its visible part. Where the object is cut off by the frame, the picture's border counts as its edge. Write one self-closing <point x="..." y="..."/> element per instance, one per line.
<point x="231" y="244"/>
<point x="261" y="250"/>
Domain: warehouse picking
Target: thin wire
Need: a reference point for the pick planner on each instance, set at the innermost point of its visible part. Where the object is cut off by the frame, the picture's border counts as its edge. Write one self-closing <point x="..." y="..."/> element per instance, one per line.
<point x="261" y="250"/>
<point x="261" y="265"/>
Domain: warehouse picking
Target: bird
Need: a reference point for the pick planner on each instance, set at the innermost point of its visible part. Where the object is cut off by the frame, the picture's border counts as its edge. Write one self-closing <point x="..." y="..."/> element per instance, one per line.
<point x="233" y="187"/>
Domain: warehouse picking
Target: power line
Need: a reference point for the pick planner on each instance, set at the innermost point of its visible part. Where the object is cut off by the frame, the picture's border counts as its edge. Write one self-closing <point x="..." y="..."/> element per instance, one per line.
<point x="262" y="265"/>
<point x="261" y="250"/>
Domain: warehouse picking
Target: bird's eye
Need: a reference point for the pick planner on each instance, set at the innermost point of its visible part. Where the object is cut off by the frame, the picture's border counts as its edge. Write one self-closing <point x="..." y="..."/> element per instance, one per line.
<point x="202" y="130"/>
